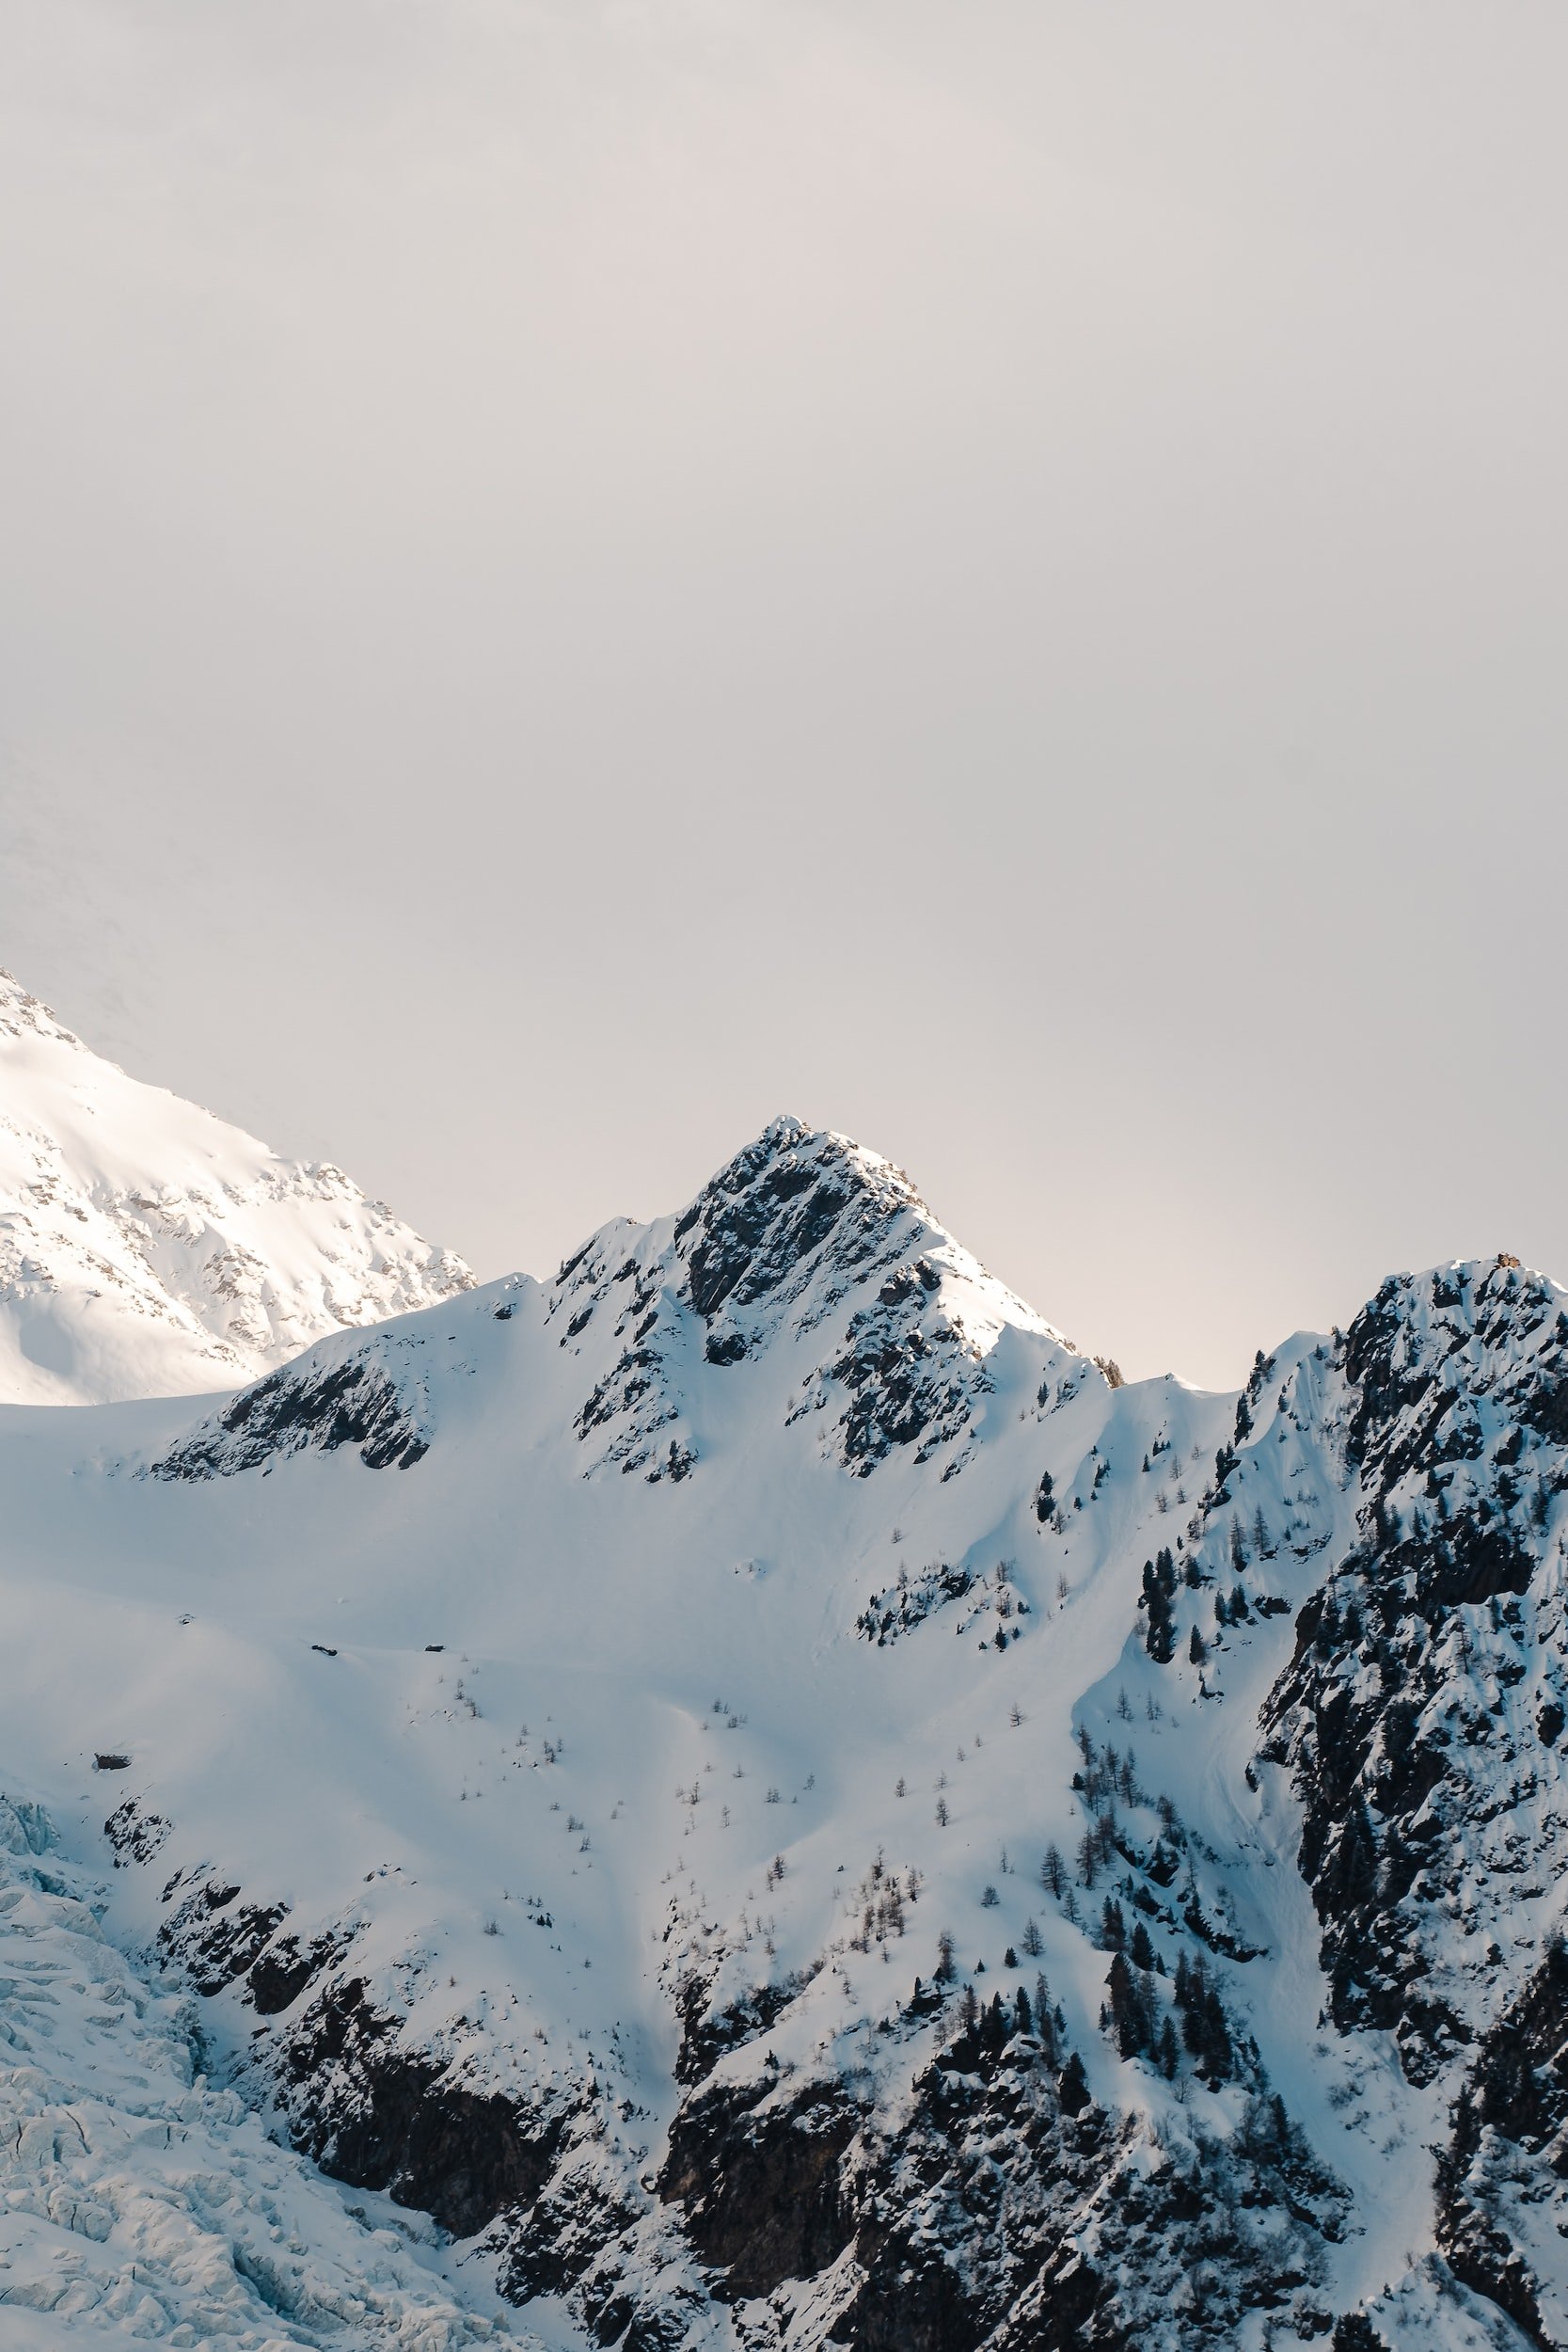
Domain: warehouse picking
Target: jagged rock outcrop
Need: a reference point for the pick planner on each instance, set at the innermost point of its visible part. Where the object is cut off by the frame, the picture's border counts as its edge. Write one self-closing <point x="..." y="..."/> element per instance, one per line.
<point x="1419" y="1710"/>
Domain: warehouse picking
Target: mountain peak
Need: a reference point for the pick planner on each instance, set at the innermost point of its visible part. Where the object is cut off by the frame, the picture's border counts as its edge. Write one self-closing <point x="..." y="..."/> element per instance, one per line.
<point x="20" y="1012"/>
<point x="783" y="1200"/>
<point x="147" y="1248"/>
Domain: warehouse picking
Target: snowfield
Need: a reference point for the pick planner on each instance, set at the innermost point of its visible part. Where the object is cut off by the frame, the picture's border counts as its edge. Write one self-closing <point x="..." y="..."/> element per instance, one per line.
<point x="750" y="1793"/>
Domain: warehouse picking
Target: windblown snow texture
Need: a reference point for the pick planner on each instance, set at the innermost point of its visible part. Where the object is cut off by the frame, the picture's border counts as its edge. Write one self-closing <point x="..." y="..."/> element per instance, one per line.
<point x="756" y="1798"/>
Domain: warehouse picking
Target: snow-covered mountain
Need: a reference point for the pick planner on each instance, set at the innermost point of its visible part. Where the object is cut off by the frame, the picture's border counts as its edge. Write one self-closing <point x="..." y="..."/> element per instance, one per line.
<point x="148" y="1249"/>
<point x="778" y="1803"/>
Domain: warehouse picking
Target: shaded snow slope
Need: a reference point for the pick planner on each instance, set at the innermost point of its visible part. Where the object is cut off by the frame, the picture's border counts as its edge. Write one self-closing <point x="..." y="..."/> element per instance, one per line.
<point x="147" y="1248"/>
<point x="756" y="1788"/>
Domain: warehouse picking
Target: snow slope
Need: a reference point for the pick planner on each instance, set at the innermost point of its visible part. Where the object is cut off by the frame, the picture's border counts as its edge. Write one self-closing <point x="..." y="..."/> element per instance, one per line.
<point x="595" y="1749"/>
<point x="147" y="1248"/>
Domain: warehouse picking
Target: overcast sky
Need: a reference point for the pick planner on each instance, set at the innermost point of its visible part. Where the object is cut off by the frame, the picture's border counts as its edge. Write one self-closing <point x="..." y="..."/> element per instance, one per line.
<point x="573" y="575"/>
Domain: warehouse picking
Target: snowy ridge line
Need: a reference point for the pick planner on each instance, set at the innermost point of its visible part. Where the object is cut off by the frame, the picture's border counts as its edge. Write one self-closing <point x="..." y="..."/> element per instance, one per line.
<point x="805" y="1247"/>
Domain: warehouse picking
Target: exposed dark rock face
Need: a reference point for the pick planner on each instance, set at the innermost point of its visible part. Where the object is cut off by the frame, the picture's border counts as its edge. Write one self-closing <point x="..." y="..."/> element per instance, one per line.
<point x="707" y="2035"/>
<point x="282" y="1971"/>
<point x="1503" y="2179"/>
<point x="382" y="2117"/>
<point x="376" y="2110"/>
<point x="1423" y="1699"/>
<point x="373" y="2112"/>
<point x="136" y="1835"/>
<point x="796" y="1228"/>
<point x="755" y="2167"/>
<point x="909" y="1380"/>
<point x="216" y="1938"/>
<point x="316" y="1405"/>
<point x="764" y="1214"/>
<point x="997" y="2213"/>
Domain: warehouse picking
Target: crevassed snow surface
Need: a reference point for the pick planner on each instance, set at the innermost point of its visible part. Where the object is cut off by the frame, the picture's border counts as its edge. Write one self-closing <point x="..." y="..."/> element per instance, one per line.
<point x="147" y="1248"/>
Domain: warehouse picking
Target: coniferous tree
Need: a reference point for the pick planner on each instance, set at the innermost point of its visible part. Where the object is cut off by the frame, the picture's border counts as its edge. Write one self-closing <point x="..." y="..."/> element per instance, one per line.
<point x="1072" y="2086"/>
<point x="1196" y="1649"/>
<point x="1204" y="2028"/>
<point x="1130" y="2011"/>
<point x="1159" y="1631"/>
<point x="1045" y="2024"/>
<point x="1355" y="2333"/>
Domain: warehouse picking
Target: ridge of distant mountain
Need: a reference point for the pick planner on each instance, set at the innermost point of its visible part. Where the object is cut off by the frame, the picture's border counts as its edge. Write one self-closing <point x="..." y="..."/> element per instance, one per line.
<point x="148" y="1248"/>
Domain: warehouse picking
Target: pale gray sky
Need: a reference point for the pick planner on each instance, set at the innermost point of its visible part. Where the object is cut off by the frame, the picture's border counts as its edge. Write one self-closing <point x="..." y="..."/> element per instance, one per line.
<point x="577" y="575"/>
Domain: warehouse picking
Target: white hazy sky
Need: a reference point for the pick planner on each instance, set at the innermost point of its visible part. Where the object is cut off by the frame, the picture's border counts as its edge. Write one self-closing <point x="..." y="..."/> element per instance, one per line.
<point x="576" y="575"/>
